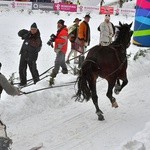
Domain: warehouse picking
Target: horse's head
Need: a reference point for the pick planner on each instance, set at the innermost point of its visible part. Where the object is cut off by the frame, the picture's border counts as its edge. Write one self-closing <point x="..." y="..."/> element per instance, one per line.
<point x="125" y="34"/>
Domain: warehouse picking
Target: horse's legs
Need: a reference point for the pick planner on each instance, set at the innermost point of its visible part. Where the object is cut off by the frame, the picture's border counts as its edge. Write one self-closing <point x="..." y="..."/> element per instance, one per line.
<point x="109" y="94"/>
<point x="125" y="82"/>
<point x="119" y="87"/>
<point x="95" y="100"/>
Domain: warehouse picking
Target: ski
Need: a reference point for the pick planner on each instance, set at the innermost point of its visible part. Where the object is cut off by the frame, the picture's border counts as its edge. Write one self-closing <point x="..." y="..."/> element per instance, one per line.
<point x="52" y="86"/>
<point x="37" y="147"/>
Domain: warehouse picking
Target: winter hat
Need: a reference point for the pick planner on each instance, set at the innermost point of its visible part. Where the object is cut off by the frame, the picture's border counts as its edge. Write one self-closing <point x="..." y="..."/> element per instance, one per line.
<point x="34" y="25"/>
<point x="107" y="16"/>
<point x="77" y="19"/>
<point x="87" y="16"/>
<point x="61" y="22"/>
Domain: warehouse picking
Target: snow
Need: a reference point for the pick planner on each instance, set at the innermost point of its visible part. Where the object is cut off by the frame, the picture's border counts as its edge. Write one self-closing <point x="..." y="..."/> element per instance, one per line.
<point x="52" y="117"/>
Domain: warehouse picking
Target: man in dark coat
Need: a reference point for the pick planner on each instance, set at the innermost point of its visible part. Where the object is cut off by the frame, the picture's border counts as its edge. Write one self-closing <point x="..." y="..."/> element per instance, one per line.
<point x="29" y="53"/>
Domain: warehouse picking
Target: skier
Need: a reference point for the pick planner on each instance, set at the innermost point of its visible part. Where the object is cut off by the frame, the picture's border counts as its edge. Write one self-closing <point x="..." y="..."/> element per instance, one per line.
<point x="9" y="89"/>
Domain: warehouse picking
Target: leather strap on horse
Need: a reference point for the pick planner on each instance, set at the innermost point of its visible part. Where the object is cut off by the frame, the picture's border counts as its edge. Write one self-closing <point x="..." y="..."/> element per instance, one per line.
<point x="120" y="66"/>
<point x="119" y="60"/>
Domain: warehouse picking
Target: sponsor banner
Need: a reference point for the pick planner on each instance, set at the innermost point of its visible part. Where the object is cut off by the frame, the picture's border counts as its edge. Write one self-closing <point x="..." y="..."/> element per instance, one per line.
<point x="5" y="4"/>
<point x="65" y="7"/>
<point x="127" y="12"/>
<point x="15" y="5"/>
<point x="89" y="9"/>
<point x="21" y="5"/>
<point x="43" y="6"/>
<point x="106" y="10"/>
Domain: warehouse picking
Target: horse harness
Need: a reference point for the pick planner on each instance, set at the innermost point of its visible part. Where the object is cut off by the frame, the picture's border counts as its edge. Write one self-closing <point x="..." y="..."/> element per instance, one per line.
<point x="121" y="62"/>
<point x="119" y="59"/>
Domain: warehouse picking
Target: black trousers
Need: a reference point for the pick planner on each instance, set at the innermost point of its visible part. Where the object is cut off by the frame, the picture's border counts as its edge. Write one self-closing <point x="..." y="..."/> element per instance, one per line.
<point x="31" y="62"/>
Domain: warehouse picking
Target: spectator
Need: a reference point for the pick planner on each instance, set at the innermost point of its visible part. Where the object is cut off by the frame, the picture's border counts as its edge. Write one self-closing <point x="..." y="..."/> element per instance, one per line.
<point x="83" y="37"/>
<point x="9" y="89"/>
<point x="29" y="53"/>
<point x="78" y="2"/>
<point x="61" y="43"/>
<point x="106" y="31"/>
<point x="73" y="33"/>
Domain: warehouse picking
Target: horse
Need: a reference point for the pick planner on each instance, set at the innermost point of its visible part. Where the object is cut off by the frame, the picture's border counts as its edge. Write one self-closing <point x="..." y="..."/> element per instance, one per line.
<point x="108" y="62"/>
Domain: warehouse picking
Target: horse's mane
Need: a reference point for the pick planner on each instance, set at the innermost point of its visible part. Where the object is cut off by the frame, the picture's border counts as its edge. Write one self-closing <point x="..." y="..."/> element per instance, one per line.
<point x="123" y="29"/>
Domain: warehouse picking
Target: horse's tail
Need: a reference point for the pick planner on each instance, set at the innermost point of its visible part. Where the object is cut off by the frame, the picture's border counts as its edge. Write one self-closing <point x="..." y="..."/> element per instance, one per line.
<point x="84" y="80"/>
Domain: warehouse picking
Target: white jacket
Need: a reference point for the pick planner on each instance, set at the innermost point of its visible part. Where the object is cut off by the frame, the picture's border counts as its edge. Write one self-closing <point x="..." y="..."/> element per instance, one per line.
<point x="106" y="33"/>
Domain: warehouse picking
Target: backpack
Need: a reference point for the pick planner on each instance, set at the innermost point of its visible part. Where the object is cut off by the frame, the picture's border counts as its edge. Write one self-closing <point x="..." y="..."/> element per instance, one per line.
<point x="72" y="33"/>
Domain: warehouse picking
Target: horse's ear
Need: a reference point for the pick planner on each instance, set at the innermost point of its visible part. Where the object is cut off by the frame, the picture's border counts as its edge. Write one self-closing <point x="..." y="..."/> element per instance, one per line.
<point x="118" y="27"/>
<point x="130" y="24"/>
<point x="120" y="24"/>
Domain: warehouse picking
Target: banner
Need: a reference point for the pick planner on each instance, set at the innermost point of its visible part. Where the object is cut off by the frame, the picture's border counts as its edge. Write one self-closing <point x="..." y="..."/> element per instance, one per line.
<point x="43" y="6"/>
<point x="106" y="10"/>
<point x="141" y="35"/>
<point x="89" y="9"/>
<point x="21" y="5"/>
<point x="127" y="12"/>
<point x="5" y="4"/>
<point x="65" y="7"/>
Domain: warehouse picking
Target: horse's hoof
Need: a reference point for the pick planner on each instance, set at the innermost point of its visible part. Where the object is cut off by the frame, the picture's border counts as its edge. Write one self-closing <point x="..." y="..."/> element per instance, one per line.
<point x="115" y="105"/>
<point x="116" y="91"/>
<point x="101" y="117"/>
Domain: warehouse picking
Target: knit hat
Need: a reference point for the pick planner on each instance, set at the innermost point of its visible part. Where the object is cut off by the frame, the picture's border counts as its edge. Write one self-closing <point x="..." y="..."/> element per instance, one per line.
<point x="107" y="16"/>
<point x="87" y="16"/>
<point x="34" y="25"/>
<point x="61" y="22"/>
<point x="77" y="19"/>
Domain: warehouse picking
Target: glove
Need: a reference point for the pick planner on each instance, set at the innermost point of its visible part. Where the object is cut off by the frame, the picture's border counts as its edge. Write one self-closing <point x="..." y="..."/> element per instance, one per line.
<point x="25" y="36"/>
<point x="110" y="35"/>
<point x="24" y="33"/>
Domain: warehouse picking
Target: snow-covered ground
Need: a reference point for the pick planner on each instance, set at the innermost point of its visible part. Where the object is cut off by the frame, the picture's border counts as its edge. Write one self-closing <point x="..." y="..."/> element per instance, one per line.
<point x="52" y="117"/>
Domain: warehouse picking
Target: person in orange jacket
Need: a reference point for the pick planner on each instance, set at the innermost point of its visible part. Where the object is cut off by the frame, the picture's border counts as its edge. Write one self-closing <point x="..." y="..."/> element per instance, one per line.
<point x="84" y="37"/>
<point x="60" y="47"/>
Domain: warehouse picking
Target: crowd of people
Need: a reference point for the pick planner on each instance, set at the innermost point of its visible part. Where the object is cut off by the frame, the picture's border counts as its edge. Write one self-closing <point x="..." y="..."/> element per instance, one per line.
<point x="79" y="36"/>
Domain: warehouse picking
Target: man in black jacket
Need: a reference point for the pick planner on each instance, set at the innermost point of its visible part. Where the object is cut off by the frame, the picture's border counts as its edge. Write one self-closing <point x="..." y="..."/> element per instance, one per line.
<point x="29" y="53"/>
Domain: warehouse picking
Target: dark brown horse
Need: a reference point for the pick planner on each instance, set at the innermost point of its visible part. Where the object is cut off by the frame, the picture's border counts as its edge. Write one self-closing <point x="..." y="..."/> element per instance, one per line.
<point x="108" y="62"/>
